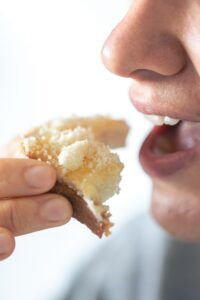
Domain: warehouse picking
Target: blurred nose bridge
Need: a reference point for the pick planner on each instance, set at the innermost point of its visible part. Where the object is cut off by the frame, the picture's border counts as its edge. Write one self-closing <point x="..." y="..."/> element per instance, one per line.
<point x="143" y="40"/>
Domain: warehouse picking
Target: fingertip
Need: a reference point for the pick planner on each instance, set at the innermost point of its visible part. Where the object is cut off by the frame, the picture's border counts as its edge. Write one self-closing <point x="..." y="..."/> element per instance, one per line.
<point x="7" y="243"/>
<point x="57" y="209"/>
<point x="51" y="174"/>
<point x="69" y="210"/>
<point x="26" y="177"/>
<point x="41" y="176"/>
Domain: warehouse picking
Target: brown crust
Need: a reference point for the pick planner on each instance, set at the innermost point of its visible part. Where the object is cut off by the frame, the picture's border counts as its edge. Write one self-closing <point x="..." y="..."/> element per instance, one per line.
<point x="81" y="211"/>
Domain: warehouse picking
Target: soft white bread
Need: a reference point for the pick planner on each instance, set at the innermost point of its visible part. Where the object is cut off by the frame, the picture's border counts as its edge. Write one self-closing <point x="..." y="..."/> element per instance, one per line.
<point x="88" y="173"/>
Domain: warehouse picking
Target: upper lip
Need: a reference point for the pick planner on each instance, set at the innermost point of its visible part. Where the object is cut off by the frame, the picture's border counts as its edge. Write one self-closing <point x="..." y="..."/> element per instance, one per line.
<point x="146" y="102"/>
<point x="151" y="109"/>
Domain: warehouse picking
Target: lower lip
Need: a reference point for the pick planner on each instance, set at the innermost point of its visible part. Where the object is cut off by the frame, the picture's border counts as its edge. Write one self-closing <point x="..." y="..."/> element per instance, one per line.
<point x="162" y="165"/>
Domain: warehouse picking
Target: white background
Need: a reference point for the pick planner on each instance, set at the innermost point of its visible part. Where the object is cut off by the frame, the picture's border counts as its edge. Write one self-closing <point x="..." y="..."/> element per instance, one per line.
<point x="50" y="66"/>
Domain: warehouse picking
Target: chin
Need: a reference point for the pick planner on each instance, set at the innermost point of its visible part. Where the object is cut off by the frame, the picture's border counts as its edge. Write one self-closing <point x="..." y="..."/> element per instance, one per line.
<point x="177" y="210"/>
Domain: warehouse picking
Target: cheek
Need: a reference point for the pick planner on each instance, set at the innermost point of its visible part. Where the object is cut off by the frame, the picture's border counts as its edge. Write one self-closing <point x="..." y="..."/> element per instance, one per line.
<point x="177" y="209"/>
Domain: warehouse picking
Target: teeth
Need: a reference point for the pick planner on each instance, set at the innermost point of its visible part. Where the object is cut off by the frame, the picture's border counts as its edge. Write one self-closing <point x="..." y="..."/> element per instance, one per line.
<point x="170" y="121"/>
<point x="159" y="120"/>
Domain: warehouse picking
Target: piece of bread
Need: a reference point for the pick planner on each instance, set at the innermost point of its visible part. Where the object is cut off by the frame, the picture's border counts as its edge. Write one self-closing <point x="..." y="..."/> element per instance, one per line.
<point x="87" y="172"/>
<point x="105" y="129"/>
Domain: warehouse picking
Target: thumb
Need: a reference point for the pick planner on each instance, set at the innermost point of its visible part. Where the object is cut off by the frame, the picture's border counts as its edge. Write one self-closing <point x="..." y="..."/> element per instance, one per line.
<point x="29" y="214"/>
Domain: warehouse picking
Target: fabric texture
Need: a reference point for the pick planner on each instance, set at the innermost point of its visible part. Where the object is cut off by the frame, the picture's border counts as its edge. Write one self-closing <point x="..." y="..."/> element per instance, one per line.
<point x="141" y="262"/>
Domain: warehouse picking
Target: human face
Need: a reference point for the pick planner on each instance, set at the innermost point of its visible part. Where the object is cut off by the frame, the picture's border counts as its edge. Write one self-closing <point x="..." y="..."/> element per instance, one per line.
<point x="157" y="44"/>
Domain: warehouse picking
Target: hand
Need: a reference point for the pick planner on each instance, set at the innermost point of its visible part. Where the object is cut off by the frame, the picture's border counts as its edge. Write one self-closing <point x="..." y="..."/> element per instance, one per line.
<point x="25" y="204"/>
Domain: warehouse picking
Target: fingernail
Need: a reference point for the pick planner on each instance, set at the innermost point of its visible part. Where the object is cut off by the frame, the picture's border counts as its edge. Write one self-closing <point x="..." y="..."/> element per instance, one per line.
<point x="55" y="210"/>
<point x="39" y="177"/>
<point x="4" y="243"/>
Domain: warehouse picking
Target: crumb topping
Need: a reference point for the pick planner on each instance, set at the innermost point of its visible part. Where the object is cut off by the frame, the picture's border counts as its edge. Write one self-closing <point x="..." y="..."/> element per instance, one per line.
<point x="81" y="162"/>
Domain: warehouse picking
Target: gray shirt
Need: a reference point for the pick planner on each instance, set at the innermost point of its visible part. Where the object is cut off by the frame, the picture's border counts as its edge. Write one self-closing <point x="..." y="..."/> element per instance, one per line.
<point x="141" y="262"/>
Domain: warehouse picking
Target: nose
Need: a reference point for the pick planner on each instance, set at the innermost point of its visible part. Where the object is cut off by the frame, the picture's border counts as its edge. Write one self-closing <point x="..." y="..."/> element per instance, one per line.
<point x="145" y="40"/>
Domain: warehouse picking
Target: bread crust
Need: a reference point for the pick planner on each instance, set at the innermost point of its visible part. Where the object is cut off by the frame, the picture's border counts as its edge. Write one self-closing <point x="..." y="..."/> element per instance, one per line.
<point x="82" y="213"/>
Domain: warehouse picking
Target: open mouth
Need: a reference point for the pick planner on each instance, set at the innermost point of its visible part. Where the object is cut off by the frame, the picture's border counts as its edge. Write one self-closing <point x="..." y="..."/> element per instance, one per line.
<point x="167" y="149"/>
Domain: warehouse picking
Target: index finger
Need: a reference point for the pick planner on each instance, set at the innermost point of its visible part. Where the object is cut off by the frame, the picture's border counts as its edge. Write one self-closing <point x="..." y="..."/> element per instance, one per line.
<point x="24" y="177"/>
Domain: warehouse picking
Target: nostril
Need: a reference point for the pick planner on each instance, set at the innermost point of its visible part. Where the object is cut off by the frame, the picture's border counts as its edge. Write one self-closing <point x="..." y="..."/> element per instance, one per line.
<point x="144" y="74"/>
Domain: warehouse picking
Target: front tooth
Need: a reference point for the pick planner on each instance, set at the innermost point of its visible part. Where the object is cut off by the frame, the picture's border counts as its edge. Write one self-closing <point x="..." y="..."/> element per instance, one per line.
<point x="156" y="120"/>
<point x="159" y="120"/>
<point x="170" y="121"/>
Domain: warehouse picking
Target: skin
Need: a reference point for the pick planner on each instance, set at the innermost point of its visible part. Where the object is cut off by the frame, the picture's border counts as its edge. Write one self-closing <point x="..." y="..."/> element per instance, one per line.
<point x="25" y="202"/>
<point x="157" y="44"/>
